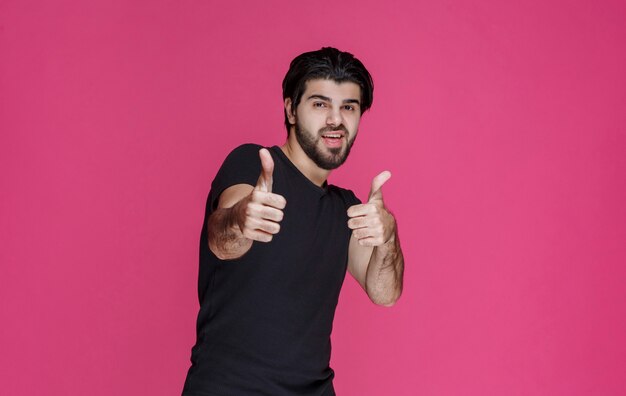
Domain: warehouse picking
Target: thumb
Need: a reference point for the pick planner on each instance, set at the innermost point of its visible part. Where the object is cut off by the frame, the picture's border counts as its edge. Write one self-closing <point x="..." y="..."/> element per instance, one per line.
<point x="376" y="193"/>
<point x="267" y="169"/>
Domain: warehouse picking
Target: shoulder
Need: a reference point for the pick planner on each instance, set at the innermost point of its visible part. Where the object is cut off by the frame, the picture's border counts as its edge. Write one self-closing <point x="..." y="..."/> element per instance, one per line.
<point x="245" y="155"/>
<point x="242" y="165"/>
<point x="245" y="150"/>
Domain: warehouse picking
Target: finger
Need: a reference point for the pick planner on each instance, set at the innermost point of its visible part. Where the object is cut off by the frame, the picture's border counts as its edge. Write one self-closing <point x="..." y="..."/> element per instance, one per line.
<point x="361" y="210"/>
<point x="361" y="233"/>
<point x="361" y="222"/>
<point x="267" y="169"/>
<point x="256" y="210"/>
<point x="257" y="235"/>
<point x="274" y="200"/>
<point x="376" y="192"/>
<point x="368" y="232"/>
<point x="269" y="213"/>
<point x="266" y="226"/>
<point x="370" y="241"/>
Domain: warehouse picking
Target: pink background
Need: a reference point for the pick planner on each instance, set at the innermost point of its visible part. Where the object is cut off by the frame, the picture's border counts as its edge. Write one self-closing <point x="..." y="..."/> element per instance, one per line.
<point x="503" y="123"/>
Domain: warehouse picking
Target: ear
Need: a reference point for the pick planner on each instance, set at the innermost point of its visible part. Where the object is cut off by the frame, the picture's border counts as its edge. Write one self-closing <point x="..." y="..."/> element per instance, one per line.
<point x="290" y="114"/>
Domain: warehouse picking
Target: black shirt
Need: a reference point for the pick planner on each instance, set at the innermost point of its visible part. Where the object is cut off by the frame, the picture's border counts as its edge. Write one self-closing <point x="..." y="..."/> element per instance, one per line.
<point x="265" y="319"/>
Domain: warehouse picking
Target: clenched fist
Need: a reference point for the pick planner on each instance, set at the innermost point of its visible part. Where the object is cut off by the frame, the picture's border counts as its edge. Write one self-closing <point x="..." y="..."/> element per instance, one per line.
<point x="259" y="213"/>
<point x="371" y="223"/>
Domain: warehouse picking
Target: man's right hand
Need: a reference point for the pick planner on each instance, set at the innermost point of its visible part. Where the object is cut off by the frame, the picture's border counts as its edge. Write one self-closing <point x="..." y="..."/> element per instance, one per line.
<point x="259" y="213"/>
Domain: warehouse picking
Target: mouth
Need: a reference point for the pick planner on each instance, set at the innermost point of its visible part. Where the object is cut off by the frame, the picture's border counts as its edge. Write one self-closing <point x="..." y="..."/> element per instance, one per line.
<point x="334" y="138"/>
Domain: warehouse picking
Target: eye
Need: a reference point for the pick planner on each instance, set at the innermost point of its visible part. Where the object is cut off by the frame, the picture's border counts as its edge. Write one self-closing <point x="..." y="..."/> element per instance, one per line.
<point x="349" y="107"/>
<point x="319" y="104"/>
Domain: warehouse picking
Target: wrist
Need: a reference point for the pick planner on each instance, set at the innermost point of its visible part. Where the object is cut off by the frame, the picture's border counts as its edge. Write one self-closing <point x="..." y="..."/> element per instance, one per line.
<point x="387" y="246"/>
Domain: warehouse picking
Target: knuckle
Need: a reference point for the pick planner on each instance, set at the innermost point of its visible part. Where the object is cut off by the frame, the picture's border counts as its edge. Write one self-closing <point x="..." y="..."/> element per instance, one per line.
<point x="266" y="213"/>
<point x="280" y="201"/>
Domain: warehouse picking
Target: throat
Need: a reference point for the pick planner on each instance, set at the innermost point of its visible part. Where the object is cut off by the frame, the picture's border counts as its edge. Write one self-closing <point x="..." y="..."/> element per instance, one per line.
<point x="304" y="164"/>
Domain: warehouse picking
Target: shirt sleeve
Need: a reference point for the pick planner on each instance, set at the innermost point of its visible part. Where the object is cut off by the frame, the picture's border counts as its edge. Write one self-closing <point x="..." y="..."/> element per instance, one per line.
<point x="241" y="166"/>
<point x="347" y="196"/>
<point x="352" y="199"/>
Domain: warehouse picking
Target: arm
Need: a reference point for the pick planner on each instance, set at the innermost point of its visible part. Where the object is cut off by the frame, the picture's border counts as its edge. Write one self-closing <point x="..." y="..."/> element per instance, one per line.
<point x="245" y="214"/>
<point x="375" y="258"/>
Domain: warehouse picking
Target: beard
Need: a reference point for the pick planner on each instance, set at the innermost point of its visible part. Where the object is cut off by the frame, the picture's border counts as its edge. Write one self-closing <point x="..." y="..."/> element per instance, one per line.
<point x="333" y="157"/>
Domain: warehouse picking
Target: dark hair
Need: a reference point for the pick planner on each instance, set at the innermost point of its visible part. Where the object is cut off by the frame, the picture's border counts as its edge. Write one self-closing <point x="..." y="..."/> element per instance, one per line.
<point x="330" y="64"/>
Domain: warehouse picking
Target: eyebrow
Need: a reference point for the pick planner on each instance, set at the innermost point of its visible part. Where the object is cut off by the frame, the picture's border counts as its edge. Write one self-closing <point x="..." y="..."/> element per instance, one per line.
<point x="326" y="98"/>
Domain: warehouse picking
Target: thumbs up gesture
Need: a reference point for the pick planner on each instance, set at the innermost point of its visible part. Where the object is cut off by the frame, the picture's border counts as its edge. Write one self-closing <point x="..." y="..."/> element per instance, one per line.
<point x="260" y="212"/>
<point x="371" y="223"/>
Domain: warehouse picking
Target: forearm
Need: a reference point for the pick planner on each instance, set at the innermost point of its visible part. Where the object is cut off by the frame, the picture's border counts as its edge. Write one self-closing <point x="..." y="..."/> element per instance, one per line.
<point x="385" y="271"/>
<point x="225" y="238"/>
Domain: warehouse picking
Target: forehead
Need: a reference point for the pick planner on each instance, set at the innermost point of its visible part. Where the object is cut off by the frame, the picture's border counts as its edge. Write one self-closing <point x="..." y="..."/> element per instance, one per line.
<point x="332" y="89"/>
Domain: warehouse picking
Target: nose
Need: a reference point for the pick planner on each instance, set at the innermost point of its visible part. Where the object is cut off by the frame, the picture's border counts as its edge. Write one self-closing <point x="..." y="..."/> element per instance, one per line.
<point x="333" y="118"/>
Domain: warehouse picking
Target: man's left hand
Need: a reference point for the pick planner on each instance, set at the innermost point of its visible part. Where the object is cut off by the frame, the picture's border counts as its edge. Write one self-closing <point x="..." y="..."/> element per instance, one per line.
<point x="371" y="223"/>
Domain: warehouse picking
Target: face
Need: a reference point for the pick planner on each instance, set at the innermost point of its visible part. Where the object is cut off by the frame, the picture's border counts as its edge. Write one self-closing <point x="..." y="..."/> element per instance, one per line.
<point x="327" y="120"/>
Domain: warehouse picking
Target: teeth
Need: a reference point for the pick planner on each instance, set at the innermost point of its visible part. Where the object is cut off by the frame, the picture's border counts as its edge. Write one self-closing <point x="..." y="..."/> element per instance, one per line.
<point x="333" y="136"/>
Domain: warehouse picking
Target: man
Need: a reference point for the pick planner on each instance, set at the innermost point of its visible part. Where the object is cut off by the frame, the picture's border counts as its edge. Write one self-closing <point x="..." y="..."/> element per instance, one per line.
<point x="277" y="240"/>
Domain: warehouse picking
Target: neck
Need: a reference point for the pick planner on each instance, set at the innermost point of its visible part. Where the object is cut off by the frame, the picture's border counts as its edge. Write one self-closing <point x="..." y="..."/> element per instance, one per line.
<point x="298" y="157"/>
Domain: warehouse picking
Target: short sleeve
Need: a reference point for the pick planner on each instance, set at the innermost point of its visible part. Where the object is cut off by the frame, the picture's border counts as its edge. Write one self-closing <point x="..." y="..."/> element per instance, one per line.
<point x="351" y="198"/>
<point x="347" y="196"/>
<point x="241" y="166"/>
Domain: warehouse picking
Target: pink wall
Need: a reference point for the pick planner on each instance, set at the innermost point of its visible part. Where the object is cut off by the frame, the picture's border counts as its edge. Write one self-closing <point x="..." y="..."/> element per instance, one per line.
<point x="503" y="123"/>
